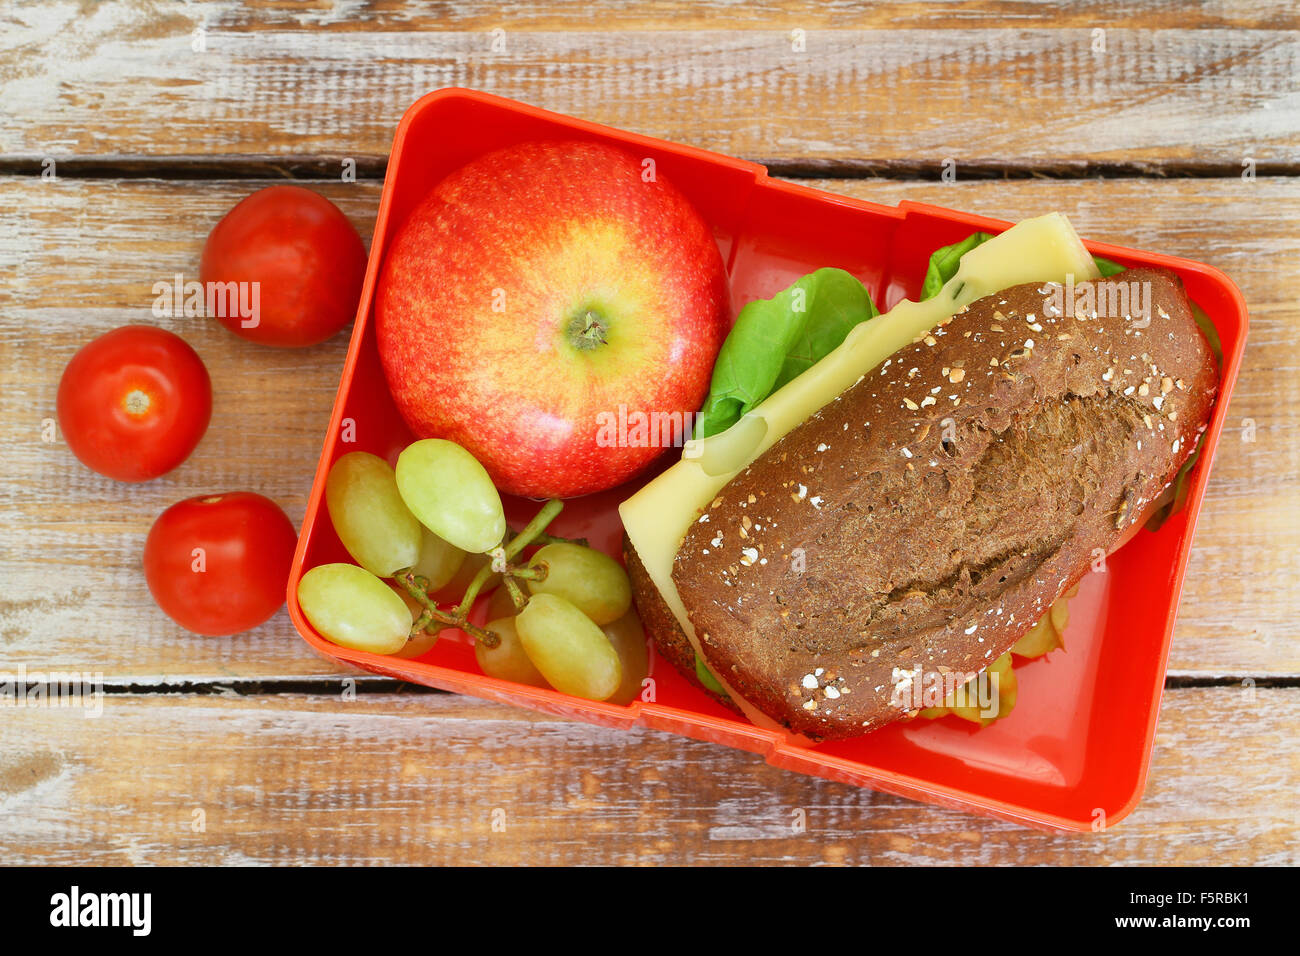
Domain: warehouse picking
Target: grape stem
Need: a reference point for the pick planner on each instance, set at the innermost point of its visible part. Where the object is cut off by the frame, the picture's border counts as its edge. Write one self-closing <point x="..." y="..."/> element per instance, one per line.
<point x="471" y="592"/>
<point x="545" y="538"/>
<point x="516" y="593"/>
<point x="513" y="546"/>
<point x="417" y="587"/>
<point x="534" y="528"/>
<point x="421" y="623"/>
<point x="525" y="573"/>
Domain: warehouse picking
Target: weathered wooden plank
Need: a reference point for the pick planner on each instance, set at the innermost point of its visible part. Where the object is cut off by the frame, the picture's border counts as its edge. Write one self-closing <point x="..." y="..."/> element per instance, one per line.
<point x="423" y="779"/>
<point x="365" y="15"/>
<point x="1058" y="84"/>
<point x="81" y="257"/>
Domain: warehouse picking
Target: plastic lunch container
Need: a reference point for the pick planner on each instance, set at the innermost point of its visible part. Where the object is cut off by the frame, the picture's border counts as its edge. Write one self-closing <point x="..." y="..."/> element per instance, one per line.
<point x="1072" y="755"/>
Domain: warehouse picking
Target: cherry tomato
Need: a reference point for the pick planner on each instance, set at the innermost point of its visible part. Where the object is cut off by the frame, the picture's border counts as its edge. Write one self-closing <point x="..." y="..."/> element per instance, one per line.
<point x="219" y="564"/>
<point x="307" y="259"/>
<point x="134" y="402"/>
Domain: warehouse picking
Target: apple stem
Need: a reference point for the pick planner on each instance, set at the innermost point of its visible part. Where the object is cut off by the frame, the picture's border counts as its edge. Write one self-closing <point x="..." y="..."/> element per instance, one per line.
<point x="594" y="330"/>
<point x="587" y="330"/>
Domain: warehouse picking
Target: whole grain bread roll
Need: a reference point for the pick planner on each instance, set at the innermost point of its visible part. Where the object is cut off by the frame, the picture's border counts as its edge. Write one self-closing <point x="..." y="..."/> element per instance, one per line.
<point x="926" y="518"/>
<point x="660" y="623"/>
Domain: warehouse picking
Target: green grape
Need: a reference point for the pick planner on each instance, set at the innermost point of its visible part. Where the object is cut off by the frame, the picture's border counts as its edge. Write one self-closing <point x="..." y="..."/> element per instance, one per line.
<point x="572" y="653"/>
<point x="585" y="577"/>
<point x="378" y="530"/>
<point x="500" y="605"/>
<point x="353" y="608"/>
<point x="508" y="660"/>
<point x="451" y="493"/>
<point x="438" y="561"/>
<point x="454" y="590"/>
<point x="628" y="638"/>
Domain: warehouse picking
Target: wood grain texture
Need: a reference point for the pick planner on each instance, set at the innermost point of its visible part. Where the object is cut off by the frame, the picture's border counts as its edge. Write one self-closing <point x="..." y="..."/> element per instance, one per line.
<point x="82" y="257"/>
<point x="421" y="779"/>
<point x="1002" y="87"/>
<point x="887" y="85"/>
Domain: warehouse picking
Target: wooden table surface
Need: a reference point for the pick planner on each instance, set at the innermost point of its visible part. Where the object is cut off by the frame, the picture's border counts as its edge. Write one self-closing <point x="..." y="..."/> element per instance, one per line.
<point x="127" y="129"/>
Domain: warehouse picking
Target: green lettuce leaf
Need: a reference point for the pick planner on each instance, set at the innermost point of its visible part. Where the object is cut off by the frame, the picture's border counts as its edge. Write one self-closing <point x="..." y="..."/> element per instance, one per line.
<point x="1210" y="332"/>
<point x="706" y="677"/>
<point x="776" y="339"/>
<point x="945" y="262"/>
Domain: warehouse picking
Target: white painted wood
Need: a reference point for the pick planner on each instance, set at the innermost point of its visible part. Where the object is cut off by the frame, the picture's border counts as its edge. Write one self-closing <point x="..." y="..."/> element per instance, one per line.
<point x="898" y="82"/>
<point x="81" y="257"/>
<point x="393" y="779"/>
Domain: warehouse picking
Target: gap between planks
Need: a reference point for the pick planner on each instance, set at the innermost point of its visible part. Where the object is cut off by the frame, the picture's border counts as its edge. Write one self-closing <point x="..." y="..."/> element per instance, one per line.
<point x="331" y="686"/>
<point x="309" y="168"/>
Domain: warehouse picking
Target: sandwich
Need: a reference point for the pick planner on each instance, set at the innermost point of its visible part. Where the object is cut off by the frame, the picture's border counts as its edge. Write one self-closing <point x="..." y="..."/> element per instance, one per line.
<point x="904" y="510"/>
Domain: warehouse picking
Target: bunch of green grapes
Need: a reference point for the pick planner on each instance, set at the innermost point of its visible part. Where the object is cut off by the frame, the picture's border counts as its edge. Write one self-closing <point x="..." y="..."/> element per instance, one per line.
<point x="576" y="631"/>
<point x="433" y="532"/>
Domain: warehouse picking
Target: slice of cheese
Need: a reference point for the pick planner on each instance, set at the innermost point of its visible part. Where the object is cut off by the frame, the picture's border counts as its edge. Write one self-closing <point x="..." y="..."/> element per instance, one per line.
<point x="657" y="517"/>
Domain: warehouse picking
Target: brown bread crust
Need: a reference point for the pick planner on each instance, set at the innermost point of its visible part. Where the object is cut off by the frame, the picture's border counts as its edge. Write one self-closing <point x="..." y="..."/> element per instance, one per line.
<point x="661" y="624"/>
<point x="927" y="517"/>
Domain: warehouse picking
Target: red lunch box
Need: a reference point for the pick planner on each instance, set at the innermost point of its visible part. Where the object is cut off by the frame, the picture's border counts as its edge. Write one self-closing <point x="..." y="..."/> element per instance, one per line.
<point x="1072" y="755"/>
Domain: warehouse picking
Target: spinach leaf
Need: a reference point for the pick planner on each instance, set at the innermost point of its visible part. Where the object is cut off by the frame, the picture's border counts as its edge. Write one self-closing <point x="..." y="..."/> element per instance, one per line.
<point x="706" y="677"/>
<point x="776" y="339"/>
<point x="1210" y="332"/>
<point x="944" y="263"/>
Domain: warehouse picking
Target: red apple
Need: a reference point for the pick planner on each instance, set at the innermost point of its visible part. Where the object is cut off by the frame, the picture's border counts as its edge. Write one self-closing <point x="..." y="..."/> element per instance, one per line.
<point x="540" y="293"/>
